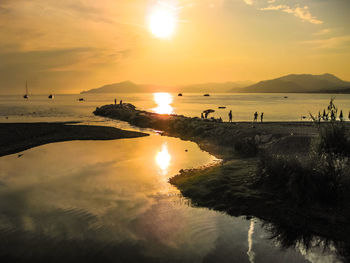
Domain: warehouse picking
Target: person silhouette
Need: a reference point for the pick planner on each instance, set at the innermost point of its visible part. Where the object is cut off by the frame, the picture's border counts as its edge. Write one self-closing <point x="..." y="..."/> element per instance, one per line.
<point x="341" y="117"/>
<point x="115" y="101"/>
<point x="230" y="116"/>
<point x="121" y="102"/>
<point x="333" y="117"/>
<point x="255" y="116"/>
<point x="262" y="117"/>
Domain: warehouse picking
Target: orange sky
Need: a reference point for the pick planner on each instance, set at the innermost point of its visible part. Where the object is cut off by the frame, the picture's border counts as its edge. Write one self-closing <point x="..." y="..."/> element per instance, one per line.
<point x="71" y="45"/>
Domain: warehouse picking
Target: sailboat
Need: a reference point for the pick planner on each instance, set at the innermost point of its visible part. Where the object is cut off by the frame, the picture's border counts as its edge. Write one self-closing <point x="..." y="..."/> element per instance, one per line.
<point x="26" y="95"/>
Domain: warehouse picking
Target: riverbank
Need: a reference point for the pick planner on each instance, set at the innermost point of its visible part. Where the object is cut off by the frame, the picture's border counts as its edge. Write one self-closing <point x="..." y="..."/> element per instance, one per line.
<point x="222" y="139"/>
<point x="17" y="137"/>
<point x="235" y="186"/>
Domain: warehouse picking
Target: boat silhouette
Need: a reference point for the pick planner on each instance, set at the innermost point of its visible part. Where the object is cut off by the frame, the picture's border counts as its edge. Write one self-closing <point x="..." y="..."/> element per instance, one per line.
<point x="51" y="96"/>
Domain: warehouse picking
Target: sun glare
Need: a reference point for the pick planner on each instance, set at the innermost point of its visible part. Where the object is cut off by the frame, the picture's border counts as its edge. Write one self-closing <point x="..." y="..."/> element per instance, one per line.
<point x="163" y="100"/>
<point x="162" y="21"/>
<point x="163" y="159"/>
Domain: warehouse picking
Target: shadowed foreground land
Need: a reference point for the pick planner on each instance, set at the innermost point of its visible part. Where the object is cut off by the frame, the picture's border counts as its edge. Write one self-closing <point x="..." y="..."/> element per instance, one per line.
<point x="270" y="171"/>
<point x="16" y="137"/>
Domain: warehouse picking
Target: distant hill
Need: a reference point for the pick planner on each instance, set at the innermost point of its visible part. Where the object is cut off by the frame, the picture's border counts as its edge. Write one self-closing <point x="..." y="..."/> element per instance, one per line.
<point x="130" y="87"/>
<point x="294" y="83"/>
<point x="213" y="87"/>
<point x="122" y="87"/>
<point x="302" y="83"/>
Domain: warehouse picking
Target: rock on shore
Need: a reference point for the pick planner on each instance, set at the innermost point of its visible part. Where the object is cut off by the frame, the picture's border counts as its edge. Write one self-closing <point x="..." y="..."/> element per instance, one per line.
<point x="245" y="137"/>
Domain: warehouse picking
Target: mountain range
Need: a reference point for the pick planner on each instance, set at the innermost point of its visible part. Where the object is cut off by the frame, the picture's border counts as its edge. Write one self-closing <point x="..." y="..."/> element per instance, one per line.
<point x="293" y="83"/>
<point x="131" y="87"/>
<point x="299" y="83"/>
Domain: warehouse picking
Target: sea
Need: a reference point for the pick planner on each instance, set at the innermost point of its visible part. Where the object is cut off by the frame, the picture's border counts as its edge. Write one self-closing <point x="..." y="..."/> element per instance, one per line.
<point x="275" y="106"/>
<point x="110" y="201"/>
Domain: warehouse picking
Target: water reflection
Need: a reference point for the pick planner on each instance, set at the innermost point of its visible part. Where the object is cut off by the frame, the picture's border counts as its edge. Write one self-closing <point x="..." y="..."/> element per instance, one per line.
<point x="250" y="252"/>
<point x="163" y="100"/>
<point x="85" y="201"/>
<point x="163" y="159"/>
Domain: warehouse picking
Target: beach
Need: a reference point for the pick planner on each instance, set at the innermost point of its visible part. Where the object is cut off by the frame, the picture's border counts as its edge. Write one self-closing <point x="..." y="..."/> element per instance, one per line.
<point x="17" y="137"/>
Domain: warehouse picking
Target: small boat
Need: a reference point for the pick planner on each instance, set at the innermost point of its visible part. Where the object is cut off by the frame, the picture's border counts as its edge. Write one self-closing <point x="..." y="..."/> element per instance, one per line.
<point x="222" y="107"/>
<point x="286" y="97"/>
<point x="51" y="96"/>
<point x="206" y="95"/>
<point x="26" y="96"/>
<point x="81" y="99"/>
<point x="180" y="94"/>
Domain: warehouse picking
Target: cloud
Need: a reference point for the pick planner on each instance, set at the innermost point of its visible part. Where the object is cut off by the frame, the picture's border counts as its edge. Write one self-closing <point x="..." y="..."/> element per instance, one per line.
<point x="55" y="68"/>
<point x="249" y="2"/>
<point x="301" y="12"/>
<point x="322" y="32"/>
<point x="339" y="42"/>
<point x="85" y="11"/>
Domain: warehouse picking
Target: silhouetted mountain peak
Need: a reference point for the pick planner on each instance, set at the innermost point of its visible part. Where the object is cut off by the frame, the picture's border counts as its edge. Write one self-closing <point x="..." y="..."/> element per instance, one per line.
<point x="298" y="83"/>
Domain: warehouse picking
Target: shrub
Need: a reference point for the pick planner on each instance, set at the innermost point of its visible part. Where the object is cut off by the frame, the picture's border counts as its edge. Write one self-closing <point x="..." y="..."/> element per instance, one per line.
<point x="323" y="176"/>
<point x="333" y="139"/>
<point x="317" y="178"/>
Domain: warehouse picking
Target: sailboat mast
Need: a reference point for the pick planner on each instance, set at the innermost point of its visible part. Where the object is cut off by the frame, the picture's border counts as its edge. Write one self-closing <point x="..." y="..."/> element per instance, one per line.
<point x="26" y="88"/>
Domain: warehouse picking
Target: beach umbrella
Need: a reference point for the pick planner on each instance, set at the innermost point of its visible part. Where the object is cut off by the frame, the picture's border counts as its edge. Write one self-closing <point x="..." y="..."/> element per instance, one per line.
<point x="209" y="111"/>
<point x="206" y="112"/>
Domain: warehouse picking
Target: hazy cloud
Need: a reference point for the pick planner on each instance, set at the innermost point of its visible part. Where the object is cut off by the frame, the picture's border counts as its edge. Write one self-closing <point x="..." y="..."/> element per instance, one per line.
<point x="249" y="2"/>
<point x="300" y="12"/>
<point x="339" y="42"/>
<point x="322" y="32"/>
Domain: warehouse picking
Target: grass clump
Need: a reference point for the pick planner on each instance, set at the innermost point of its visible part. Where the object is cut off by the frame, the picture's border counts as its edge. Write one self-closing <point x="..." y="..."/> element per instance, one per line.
<point x="318" y="179"/>
<point x="322" y="176"/>
<point x="334" y="138"/>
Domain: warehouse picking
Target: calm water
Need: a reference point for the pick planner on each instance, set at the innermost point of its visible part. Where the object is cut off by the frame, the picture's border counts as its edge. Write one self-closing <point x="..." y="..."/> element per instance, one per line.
<point x="110" y="201"/>
<point x="274" y="106"/>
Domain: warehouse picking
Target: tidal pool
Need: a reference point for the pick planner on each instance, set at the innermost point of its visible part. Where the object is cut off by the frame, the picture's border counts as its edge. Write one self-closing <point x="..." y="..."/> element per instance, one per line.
<point x="110" y="201"/>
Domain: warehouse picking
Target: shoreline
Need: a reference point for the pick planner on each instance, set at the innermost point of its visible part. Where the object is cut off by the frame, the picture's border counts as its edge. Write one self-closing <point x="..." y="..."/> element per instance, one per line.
<point x="222" y="139"/>
<point x="233" y="186"/>
<point x="17" y="137"/>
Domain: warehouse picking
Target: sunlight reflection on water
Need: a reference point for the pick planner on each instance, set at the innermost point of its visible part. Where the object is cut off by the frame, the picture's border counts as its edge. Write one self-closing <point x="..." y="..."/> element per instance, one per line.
<point x="163" y="100"/>
<point x="163" y="159"/>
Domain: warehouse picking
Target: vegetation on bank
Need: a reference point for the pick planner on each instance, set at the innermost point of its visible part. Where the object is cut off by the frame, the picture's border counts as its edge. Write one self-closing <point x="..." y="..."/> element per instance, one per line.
<point x="322" y="176"/>
<point x="293" y="176"/>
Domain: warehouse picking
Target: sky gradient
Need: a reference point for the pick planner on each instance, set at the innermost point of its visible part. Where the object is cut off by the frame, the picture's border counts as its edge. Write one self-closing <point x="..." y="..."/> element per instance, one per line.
<point x="71" y="45"/>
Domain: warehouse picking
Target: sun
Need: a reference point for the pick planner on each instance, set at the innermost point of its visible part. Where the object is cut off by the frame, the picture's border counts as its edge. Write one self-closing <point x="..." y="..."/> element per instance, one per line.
<point x="162" y="21"/>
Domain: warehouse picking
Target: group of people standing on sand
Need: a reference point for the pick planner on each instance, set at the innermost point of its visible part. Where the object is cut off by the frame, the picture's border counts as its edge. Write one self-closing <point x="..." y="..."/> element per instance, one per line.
<point x="255" y="116"/>
<point x="115" y="102"/>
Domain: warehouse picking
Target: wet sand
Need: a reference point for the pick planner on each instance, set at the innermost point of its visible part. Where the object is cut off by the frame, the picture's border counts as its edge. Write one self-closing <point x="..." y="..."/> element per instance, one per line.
<point x="17" y="137"/>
